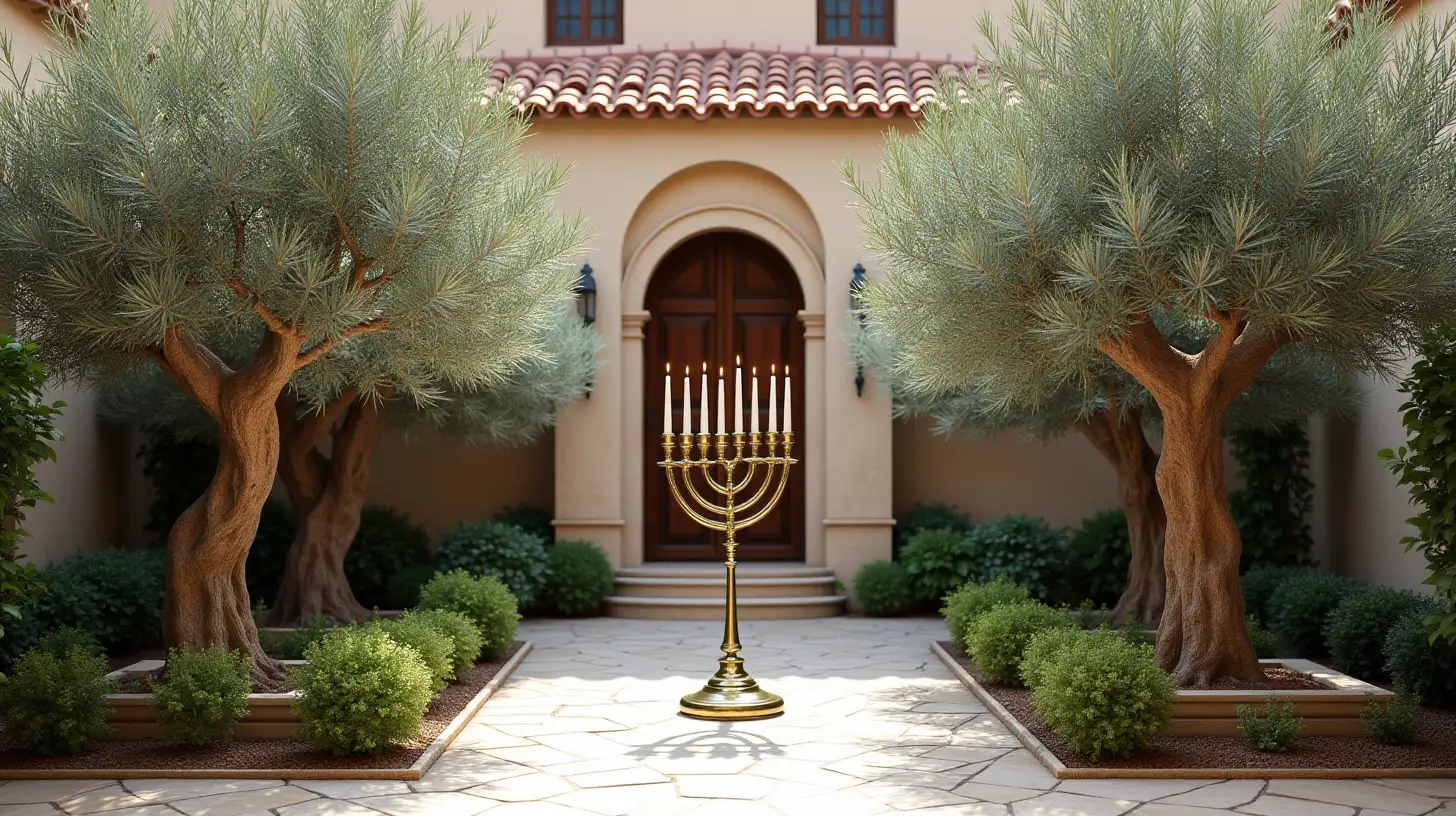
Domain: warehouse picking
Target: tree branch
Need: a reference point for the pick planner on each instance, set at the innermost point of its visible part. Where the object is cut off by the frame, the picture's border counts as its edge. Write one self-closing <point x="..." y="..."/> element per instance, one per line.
<point x="195" y="369"/>
<point x="360" y="263"/>
<point x="274" y="323"/>
<point x="1143" y="352"/>
<point x="1247" y="358"/>
<point x="322" y="347"/>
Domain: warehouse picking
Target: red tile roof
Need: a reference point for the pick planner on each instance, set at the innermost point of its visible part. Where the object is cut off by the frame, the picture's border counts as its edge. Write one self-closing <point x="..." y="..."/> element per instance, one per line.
<point x="608" y="82"/>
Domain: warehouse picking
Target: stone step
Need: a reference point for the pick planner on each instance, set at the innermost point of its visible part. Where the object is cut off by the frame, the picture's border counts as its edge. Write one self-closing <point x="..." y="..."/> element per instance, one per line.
<point x="713" y="569"/>
<point x="749" y="608"/>
<point x="748" y="587"/>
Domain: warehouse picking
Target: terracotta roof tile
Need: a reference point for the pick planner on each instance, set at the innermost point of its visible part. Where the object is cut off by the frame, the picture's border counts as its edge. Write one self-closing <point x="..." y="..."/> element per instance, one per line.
<point x="609" y="82"/>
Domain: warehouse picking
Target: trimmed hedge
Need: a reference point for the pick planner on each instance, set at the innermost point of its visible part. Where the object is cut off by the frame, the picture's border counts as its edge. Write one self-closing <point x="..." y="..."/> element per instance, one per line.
<point x="883" y="589"/>
<point x="1301" y="607"/>
<point x="1356" y="632"/>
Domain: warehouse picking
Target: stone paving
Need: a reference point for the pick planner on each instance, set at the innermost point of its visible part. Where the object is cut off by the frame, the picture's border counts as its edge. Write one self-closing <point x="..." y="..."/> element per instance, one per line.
<point x="875" y="725"/>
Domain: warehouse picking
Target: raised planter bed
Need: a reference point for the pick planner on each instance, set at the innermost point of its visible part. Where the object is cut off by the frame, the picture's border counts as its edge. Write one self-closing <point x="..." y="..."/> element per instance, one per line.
<point x="277" y="758"/>
<point x="1195" y="753"/>
<point x="269" y="717"/>
<point x="1330" y="712"/>
<point x="285" y="631"/>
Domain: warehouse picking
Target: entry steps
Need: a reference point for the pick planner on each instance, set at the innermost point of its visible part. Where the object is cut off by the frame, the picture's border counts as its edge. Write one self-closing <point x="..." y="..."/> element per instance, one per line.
<point x="694" y="591"/>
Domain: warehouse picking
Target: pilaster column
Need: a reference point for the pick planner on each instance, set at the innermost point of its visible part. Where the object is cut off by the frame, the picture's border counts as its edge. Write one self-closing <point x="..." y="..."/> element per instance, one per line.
<point x="632" y="441"/>
<point x="815" y="438"/>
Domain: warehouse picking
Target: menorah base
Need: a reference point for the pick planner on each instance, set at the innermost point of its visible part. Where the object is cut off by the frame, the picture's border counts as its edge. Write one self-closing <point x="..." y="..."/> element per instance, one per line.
<point x="708" y="704"/>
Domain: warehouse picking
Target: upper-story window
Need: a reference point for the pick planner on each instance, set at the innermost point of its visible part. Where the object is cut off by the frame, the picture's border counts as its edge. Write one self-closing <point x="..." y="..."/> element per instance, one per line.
<point x="584" y="22"/>
<point x="856" y="22"/>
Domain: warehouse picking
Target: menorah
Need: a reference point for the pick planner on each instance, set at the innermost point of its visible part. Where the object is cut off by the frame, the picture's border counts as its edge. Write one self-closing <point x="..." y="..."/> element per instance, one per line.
<point x="728" y="475"/>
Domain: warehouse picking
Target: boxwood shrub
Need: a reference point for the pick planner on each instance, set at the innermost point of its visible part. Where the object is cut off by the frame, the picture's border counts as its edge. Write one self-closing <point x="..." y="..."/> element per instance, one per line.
<point x="486" y="601"/>
<point x="1021" y="549"/>
<point x="518" y="558"/>
<point x="1258" y="586"/>
<point x="55" y="704"/>
<point x="361" y="692"/>
<point x="433" y="647"/>
<point x="581" y="578"/>
<point x="201" y="695"/>
<point x="1356" y="632"/>
<point x="1301" y="607"/>
<point x="1000" y="636"/>
<point x="464" y="635"/>
<point x="1418" y="665"/>
<point x="934" y="516"/>
<point x="937" y="561"/>
<point x="883" y="589"/>
<point x="1103" y="695"/>
<point x="967" y="604"/>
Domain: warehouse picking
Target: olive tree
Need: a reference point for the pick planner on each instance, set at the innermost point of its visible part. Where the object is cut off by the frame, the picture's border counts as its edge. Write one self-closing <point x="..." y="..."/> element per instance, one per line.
<point x="1127" y="169"/>
<point x="316" y="180"/>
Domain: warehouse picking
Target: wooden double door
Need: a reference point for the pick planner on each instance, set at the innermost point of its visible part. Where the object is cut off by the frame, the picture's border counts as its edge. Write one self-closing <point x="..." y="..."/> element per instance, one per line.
<point x="714" y="297"/>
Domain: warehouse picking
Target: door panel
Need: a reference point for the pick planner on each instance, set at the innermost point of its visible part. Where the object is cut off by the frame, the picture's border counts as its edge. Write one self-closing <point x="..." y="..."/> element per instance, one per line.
<point x="717" y="297"/>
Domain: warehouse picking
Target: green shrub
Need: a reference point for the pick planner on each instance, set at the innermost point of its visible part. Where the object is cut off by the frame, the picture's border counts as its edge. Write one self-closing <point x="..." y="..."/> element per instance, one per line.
<point x="1272" y="508"/>
<point x="464" y="635"/>
<point x="1266" y="644"/>
<point x="55" y="705"/>
<point x="1045" y="646"/>
<point x="404" y="586"/>
<point x="1419" y="666"/>
<point x="1020" y="549"/>
<point x="936" y="562"/>
<point x="1271" y="727"/>
<point x="1301" y="608"/>
<point x="966" y="605"/>
<point x="202" y="694"/>
<point x="1356" y="632"/>
<point x="1099" y="553"/>
<point x="1103" y="695"/>
<point x="532" y="518"/>
<point x="484" y="600"/>
<point x="883" y="589"/>
<point x="25" y="441"/>
<point x="60" y="642"/>
<point x="269" y="554"/>
<point x="1259" y="584"/>
<point x="581" y="577"/>
<point x="292" y="645"/>
<point x="1135" y="633"/>
<point x="1393" y="722"/>
<point x="361" y="692"/>
<point x="936" y="516"/>
<point x="1088" y="615"/>
<point x="999" y="637"/>
<point x="516" y="557"/>
<point x="387" y="543"/>
<point x="433" y="647"/>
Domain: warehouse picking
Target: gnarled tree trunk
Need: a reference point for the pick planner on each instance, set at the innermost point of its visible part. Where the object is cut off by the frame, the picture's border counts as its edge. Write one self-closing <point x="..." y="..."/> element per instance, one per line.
<point x="314" y="582"/>
<point x="1119" y="436"/>
<point x="207" y="551"/>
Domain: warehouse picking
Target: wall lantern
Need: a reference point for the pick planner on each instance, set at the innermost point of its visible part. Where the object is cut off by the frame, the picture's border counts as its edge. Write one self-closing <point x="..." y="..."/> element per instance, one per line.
<point x="586" y="306"/>
<point x="586" y="296"/>
<point x="856" y="307"/>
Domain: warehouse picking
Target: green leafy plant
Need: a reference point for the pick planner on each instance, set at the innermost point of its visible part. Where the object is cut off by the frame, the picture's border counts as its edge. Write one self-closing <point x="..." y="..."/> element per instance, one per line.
<point x="1273" y="507"/>
<point x="484" y="600"/>
<point x="202" y="694"/>
<point x="921" y="517"/>
<point x="532" y="518"/>
<point x="55" y="705"/>
<point x="292" y="645"/>
<point x="434" y="647"/>
<point x="1099" y="551"/>
<point x="1046" y="645"/>
<point x="1427" y="465"/>
<point x="1301" y="607"/>
<point x="581" y="578"/>
<point x="361" y="692"/>
<point x="1135" y="633"/>
<point x="26" y="439"/>
<point x="1393" y="722"/>
<point x="1266" y="643"/>
<point x="516" y="557"/>
<point x="61" y="641"/>
<point x="1000" y="636"/>
<point x="1259" y="584"/>
<point x="1103" y="695"/>
<point x="970" y="601"/>
<point x="936" y="561"/>
<point x="1356" y="631"/>
<point x="386" y="544"/>
<point x="1421" y="665"/>
<point x="1088" y="615"/>
<point x="1020" y="549"/>
<point x="404" y="586"/>
<point x="883" y="589"/>
<point x="464" y="635"/>
<point x="1271" y="727"/>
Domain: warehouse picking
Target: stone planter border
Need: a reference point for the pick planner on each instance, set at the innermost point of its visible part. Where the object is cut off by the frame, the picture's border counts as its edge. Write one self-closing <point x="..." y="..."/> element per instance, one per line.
<point x="1060" y="770"/>
<point x="414" y="772"/>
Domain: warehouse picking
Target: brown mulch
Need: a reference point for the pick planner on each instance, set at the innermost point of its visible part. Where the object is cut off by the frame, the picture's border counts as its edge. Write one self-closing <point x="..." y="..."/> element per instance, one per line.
<point x="1280" y="679"/>
<point x="143" y="682"/>
<point x="265" y="754"/>
<point x="1434" y="747"/>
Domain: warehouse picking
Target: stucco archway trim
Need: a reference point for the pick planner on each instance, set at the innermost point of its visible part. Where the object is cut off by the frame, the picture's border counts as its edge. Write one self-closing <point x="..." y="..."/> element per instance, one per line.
<point x="638" y="271"/>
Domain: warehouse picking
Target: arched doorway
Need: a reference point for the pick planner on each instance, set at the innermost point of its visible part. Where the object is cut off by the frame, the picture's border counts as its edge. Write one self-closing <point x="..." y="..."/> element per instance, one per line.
<point x="713" y="297"/>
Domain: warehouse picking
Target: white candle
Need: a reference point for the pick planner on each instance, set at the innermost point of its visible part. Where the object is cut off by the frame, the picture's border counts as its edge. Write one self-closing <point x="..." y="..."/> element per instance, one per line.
<point x="738" y="395"/>
<point x="753" y="409"/>
<point x="773" y="399"/>
<point x="667" y="402"/>
<point x="687" y="404"/>
<point x="788" y="403"/>
<point x="722" y="426"/>
<point x="703" y="413"/>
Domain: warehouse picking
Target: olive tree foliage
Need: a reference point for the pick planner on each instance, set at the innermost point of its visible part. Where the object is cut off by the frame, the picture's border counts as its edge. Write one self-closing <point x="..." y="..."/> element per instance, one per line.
<point x="318" y="182"/>
<point x="1128" y="170"/>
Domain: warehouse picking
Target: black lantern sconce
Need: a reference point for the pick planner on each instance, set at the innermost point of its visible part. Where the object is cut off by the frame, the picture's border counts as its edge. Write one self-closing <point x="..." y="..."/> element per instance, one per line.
<point x="856" y="306"/>
<point x="586" y="304"/>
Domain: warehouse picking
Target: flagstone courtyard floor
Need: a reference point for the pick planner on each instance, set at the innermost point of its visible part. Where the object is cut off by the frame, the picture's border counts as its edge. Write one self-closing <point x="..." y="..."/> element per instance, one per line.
<point x="875" y="725"/>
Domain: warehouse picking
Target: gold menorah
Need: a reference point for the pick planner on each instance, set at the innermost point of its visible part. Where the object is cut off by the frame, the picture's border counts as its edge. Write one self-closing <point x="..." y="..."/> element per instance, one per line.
<point x="761" y="475"/>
